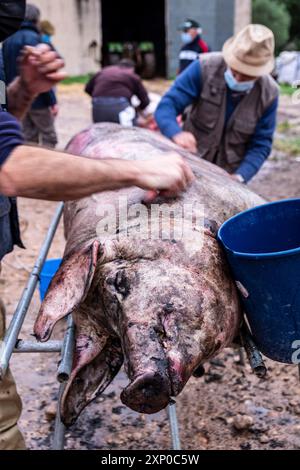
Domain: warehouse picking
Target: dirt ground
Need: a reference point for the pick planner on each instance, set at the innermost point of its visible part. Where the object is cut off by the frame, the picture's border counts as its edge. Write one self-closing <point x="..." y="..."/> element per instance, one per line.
<point x="210" y="409"/>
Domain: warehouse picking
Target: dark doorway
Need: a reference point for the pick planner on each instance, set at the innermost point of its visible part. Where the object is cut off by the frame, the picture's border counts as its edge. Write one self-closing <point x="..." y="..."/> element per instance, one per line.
<point x="135" y="21"/>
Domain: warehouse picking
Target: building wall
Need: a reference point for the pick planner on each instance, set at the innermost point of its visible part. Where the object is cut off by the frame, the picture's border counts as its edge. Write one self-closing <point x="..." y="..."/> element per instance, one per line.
<point x="243" y="14"/>
<point x="220" y="19"/>
<point x="78" y="26"/>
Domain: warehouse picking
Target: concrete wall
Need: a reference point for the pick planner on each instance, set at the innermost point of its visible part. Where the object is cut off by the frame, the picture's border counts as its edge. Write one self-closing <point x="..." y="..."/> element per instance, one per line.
<point x="78" y="25"/>
<point x="243" y="14"/>
<point x="220" y="19"/>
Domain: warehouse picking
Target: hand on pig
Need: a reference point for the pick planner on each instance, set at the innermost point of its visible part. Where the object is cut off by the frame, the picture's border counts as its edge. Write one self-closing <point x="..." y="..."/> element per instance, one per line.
<point x="186" y="140"/>
<point x="166" y="176"/>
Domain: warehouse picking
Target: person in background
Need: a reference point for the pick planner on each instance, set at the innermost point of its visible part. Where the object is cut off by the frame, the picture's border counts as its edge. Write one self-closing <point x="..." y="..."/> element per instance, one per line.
<point x="39" y="122"/>
<point x="193" y="44"/>
<point x="47" y="31"/>
<point x="112" y="89"/>
<point x="234" y="104"/>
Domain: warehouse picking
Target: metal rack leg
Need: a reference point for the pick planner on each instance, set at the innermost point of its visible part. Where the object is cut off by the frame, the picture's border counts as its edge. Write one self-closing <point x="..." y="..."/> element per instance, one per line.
<point x="174" y="426"/>
<point x="12" y="334"/>
<point x="63" y="374"/>
<point x="254" y="356"/>
<point x="59" y="428"/>
<point x="65" y="366"/>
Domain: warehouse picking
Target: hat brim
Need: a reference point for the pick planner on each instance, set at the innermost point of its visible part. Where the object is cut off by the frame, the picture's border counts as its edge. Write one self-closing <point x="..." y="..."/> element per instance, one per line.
<point x="246" y="69"/>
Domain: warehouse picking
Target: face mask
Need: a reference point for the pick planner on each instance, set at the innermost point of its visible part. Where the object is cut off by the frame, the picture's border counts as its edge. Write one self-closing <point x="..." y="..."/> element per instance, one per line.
<point x="12" y="13"/>
<point x="234" y="85"/>
<point x="186" y="38"/>
<point x="46" y="38"/>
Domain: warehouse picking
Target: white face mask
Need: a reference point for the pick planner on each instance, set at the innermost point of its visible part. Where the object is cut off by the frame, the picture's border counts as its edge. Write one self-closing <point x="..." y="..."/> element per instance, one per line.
<point x="186" y="38"/>
<point x="234" y="85"/>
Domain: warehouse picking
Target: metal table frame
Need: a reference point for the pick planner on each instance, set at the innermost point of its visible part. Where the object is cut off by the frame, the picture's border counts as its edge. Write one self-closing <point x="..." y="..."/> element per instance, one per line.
<point x="11" y="344"/>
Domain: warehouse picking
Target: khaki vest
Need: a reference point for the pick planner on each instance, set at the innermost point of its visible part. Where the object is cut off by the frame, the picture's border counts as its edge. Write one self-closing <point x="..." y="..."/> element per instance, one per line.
<point x="206" y="120"/>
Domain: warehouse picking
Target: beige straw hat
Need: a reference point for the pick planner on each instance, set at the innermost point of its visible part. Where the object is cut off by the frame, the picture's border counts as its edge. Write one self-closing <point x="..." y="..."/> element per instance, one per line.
<point x="251" y="51"/>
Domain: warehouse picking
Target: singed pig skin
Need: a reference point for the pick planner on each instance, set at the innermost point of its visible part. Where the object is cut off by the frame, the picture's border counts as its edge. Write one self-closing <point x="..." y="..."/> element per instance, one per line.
<point x="164" y="305"/>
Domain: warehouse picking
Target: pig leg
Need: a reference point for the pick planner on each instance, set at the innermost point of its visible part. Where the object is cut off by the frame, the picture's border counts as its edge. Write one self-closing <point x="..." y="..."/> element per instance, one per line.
<point x="97" y="359"/>
<point x="67" y="290"/>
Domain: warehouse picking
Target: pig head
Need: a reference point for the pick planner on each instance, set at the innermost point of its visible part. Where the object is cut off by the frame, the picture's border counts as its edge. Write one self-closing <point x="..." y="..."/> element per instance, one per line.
<point x="163" y="315"/>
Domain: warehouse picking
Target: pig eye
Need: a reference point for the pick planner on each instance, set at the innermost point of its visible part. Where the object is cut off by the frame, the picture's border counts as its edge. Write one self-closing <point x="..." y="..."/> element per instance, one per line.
<point x="121" y="283"/>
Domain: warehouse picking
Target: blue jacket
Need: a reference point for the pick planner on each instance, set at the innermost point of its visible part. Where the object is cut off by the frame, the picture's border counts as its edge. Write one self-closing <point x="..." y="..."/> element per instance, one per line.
<point x="186" y="89"/>
<point x="28" y="35"/>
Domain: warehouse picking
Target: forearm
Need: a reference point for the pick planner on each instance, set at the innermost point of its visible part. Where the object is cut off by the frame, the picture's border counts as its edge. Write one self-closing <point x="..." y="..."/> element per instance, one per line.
<point x="19" y="98"/>
<point x="44" y="174"/>
<point x="261" y="143"/>
<point x="166" y="117"/>
<point x="184" y="92"/>
<point x="253" y="162"/>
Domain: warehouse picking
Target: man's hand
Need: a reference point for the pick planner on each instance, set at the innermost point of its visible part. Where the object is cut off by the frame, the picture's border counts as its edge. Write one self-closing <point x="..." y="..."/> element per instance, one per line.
<point x="186" y="140"/>
<point x="40" y="69"/>
<point x="168" y="175"/>
<point x="237" y="178"/>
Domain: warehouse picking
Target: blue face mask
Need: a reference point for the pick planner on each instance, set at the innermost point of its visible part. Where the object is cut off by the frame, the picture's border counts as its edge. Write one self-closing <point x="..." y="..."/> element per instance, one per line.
<point x="186" y="38"/>
<point x="46" y="38"/>
<point x="234" y="85"/>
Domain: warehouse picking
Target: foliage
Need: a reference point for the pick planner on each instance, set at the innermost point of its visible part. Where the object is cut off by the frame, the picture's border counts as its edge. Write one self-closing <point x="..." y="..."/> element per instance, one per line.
<point x="287" y="90"/>
<point x="290" y="146"/>
<point x="275" y="15"/>
<point x="293" y="6"/>
<point x="77" y="79"/>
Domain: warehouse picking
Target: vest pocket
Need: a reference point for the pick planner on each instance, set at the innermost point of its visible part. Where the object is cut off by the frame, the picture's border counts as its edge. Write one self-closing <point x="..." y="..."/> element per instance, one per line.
<point x="242" y="129"/>
<point x="238" y="138"/>
<point x="205" y="116"/>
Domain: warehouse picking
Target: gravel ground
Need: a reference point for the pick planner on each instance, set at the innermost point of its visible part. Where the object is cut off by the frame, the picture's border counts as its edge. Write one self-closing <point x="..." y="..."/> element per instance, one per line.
<point x="228" y="408"/>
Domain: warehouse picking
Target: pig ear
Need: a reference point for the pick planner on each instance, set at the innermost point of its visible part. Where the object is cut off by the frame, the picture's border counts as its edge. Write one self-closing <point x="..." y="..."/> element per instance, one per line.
<point x="67" y="290"/>
<point x="90" y="380"/>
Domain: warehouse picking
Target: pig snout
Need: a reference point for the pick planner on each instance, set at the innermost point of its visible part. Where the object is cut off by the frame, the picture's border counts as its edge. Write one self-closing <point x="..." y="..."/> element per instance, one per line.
<point x="148" y="393"/>
<point x="149" y="390"/>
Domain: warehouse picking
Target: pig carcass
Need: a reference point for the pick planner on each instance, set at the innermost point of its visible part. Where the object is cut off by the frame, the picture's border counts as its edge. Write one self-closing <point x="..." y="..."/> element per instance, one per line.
<point x="162" y="305"/>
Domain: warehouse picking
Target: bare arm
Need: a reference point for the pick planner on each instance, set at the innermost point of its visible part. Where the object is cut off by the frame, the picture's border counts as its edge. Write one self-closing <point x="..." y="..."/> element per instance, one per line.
<point x="19" y="98"/>
<point x="45" y="174"/>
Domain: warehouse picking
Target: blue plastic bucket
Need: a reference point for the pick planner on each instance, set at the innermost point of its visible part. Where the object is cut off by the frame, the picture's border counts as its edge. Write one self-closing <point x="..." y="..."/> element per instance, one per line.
<point x="263" y="250"/>
<point x="49" y="269"/>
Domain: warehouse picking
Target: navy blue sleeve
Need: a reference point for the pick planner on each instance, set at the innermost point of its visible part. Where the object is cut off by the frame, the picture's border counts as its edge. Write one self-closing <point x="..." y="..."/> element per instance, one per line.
<point x="10" y="135"/>
<point x="261" y="143"/>
<point x="185" y="90"/>
<point x="52" y="98"/>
